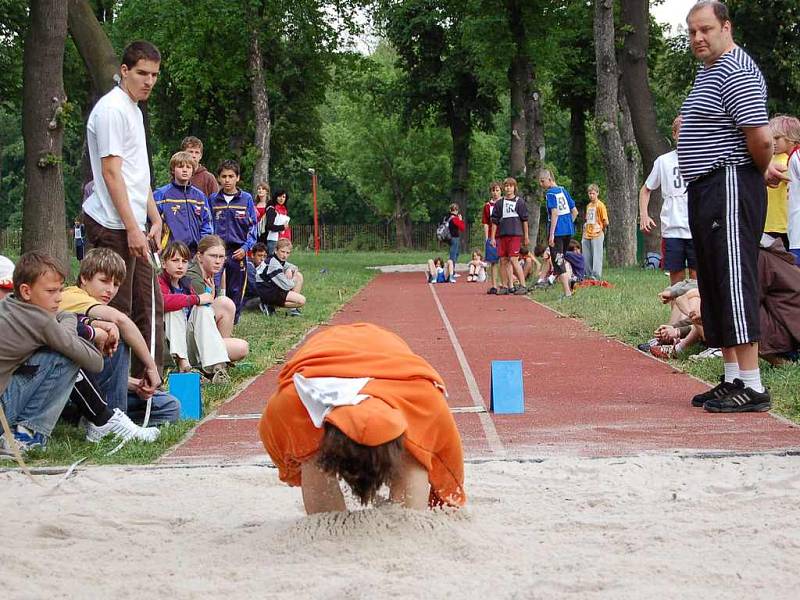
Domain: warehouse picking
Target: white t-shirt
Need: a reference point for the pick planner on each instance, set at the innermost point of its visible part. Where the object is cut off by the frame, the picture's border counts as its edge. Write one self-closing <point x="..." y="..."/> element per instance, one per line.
<point x="116" y="128"/>
<point x="675" y="209"/>
<point x="793" y="225"/>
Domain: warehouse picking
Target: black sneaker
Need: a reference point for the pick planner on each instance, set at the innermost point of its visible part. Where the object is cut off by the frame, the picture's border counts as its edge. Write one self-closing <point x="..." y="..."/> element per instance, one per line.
<point x="645" y="347"/>
<point x="503" y="291"/>
<point x="492" y="290"/>
<point x="722" y="389"/>
<point x="741" y="399"/>
<point x="520" y="290"/>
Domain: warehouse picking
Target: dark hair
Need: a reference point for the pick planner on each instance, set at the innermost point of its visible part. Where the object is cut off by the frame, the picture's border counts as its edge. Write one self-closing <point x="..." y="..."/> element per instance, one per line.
<point x="176" y="248"/>
<point x="33" y="265"/>
<point x="524" y="250"/>
<point x="104" y="261"/>
<point x="364" y="468"/>
<point x="278" y="192"/>
<point x="259" y="247"/>
<point x="538" y="250"/>
<point x="573" y="245"/>
<point x="140" y="50"/>
<point x="191" y="142"/>
<point x="228" y="165"/>
<point x="720" y="10"/>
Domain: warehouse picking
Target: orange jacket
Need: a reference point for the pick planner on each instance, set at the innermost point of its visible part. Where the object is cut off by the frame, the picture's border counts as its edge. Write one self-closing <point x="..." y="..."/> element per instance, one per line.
<point x="400" y="378"/>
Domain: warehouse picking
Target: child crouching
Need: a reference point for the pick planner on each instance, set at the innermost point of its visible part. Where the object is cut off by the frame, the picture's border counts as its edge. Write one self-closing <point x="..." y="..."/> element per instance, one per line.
<point x="279" y="282"/>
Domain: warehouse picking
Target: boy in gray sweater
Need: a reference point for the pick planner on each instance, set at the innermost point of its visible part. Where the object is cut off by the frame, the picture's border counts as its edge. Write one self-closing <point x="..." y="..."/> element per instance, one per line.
<point x="278" y="282"/>
<point x="40" y="354"/>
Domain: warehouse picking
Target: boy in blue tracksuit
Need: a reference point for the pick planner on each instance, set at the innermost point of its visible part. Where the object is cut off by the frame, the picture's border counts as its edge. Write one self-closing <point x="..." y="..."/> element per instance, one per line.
<point x="234" y="218"/>
<point x="561" y="213"/>
<point x="183" y="207"/>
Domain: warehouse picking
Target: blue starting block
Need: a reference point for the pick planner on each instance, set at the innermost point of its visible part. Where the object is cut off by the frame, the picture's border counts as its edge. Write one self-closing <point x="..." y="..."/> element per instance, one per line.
<point x="506" y="387"/>
<point x="186" y="388"/>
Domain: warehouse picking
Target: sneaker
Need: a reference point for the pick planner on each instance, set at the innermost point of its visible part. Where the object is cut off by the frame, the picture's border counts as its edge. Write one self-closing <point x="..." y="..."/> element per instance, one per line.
<point x="718" y="391"/>
<point x="121" y="426"/>
<point x="648" y="344"/>
<point x="266" y="309"/>
<point x="707" y="353"/>
<point x="664" y="351"/>
<point x="220" y="375"/>
<point x="28" y="439"/>
<point x="295" y="312"/>
<point x="452" y="279"/>
<point x="520" y="290"/>
<point x="492" y="290"/>
<point x="740" y="399"/>
<point x="503" y="291"/>
<point x="431" y="279"/>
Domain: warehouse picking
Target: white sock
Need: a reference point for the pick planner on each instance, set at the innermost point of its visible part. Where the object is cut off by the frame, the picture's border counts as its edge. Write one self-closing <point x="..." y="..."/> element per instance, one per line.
<point x="679" y="347"/>
<point x="752" y="379"/>
<point x="731" y="372"/>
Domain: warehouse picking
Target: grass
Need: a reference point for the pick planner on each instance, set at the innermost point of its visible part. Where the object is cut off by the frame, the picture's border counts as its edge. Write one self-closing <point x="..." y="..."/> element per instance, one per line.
<point x="630" y="312"/>
<point x="331" y="279"/>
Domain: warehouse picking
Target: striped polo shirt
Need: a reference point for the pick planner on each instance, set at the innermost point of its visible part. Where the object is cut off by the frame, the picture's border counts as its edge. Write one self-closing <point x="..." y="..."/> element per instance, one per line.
<point x="728" y="95"/>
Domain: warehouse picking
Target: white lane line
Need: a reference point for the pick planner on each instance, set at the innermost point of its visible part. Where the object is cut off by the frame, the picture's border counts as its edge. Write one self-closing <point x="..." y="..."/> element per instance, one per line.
<point x="489" y="430"/>
<point x="255" y="416"/>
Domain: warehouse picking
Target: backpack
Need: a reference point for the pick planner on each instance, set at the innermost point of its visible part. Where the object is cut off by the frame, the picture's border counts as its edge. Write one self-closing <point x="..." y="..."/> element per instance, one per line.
<point x="443" y="230"/>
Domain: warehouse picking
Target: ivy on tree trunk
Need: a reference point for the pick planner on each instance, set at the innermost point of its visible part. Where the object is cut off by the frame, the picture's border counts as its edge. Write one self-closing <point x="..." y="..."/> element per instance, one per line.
<point x="44" y="112"/>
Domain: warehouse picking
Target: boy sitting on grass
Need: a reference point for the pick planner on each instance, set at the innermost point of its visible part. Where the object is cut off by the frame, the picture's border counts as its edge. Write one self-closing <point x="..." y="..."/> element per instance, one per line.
<point x="40" y="354"/>
<point x="279" y="282"/>
<point x="101" y="273"/>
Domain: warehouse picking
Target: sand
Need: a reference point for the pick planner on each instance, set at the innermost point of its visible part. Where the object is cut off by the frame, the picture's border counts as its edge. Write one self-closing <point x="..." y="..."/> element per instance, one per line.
<point x="641" y="527"/>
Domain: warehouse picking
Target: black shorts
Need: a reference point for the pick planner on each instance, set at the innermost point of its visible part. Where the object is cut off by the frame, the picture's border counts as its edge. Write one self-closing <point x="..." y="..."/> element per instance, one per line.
<point x="557" y="252"/>
<point x="727" y="211"/>
<point x="678" y="254"/>
<point x="272" y="295"/>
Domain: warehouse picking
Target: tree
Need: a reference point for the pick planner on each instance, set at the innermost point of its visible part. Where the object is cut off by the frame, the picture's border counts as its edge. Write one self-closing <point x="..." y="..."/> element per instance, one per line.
<point x="102" y="62"/>
<point x="44" y="105"/>
<point x="258" y="91"/>
<point x="622" y="211"/>
<point x="635" y="80"/>
<point x="442" y="80"/>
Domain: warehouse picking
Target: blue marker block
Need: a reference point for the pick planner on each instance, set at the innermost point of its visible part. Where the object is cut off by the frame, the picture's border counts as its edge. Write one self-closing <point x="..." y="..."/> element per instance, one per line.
<point x="186" y="388"/>
<point x="507" y="395"/>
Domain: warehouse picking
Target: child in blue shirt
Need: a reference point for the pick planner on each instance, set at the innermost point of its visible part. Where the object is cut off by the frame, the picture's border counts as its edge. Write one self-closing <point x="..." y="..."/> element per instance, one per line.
<point x="235" y="221"/>
<point x="183" y="207"/>
<point x="561" y="214"/>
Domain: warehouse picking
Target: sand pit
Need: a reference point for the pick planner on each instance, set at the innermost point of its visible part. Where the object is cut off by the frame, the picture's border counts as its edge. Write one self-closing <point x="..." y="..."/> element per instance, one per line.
<point x="642" y="527"/>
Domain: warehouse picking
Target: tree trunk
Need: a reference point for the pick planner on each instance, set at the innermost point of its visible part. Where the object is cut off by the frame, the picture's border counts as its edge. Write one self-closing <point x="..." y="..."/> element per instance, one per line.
<point x="461" y="132"/>
<point x="621" y="247"/>
<point x="579" y="172"/>
<point x="518" y="76"/>
<point x="402" y="224"/>
<point x="633" y="168"/>
<point x="534" y="152"/>
<point x="636" y="18"/>
<point x="44" y="223"/>
<point x="258" y="90"/>
<point x="93" y="45"/>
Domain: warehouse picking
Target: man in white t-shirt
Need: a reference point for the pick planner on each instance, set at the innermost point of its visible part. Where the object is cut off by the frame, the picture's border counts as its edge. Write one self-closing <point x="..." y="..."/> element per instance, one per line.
<point x="117" y="212"/>
<point x="677" y="249"/>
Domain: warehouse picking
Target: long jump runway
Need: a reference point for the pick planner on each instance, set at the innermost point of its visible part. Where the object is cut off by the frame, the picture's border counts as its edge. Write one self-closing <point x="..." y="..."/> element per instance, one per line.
<point x="585" y="394"/>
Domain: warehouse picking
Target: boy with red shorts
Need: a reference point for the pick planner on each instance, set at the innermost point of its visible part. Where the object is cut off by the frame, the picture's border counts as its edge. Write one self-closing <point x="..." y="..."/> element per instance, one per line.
<point x="510" y="224"/>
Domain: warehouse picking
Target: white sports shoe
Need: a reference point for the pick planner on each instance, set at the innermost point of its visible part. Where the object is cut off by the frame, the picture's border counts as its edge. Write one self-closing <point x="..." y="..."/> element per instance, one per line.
<point x="122" y="427"/>
<point x="707" y="353"/>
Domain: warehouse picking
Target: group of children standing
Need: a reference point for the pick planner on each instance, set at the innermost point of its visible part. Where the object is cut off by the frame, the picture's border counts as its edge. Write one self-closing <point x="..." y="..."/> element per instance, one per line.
<point x="507" y="257"/>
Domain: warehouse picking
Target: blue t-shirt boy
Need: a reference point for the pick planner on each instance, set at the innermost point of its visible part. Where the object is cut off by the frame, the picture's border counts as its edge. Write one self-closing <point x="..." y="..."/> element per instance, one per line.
<point x="558" y="197"/>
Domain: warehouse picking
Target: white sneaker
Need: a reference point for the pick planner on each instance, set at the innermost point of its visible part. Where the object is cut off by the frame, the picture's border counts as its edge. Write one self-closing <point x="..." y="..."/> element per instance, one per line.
<point x="707" y="353"/>
<point x="122" y="427"/>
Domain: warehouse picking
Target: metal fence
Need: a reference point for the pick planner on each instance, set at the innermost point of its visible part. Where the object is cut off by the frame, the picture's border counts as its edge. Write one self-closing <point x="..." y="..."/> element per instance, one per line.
<point x="368" y="237"/>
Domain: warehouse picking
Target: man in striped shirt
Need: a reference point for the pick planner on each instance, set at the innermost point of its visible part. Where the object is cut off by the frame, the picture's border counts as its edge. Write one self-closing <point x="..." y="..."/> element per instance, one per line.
<point x="724" y="151"/>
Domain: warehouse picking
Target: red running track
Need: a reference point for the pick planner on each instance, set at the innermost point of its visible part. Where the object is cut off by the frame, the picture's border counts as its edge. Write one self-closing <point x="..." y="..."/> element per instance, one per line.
<point x="585" y="395"/>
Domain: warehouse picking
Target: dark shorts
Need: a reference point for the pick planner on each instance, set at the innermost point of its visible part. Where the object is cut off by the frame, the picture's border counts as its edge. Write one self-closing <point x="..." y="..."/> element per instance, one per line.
<point x="727" y="211"/>
<point x="557" y="252"/>
<point x="272" y="294"/>
<point x="490" y="253"/>
<point x="508" y="246"/>
<point x="678" y="254"/>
